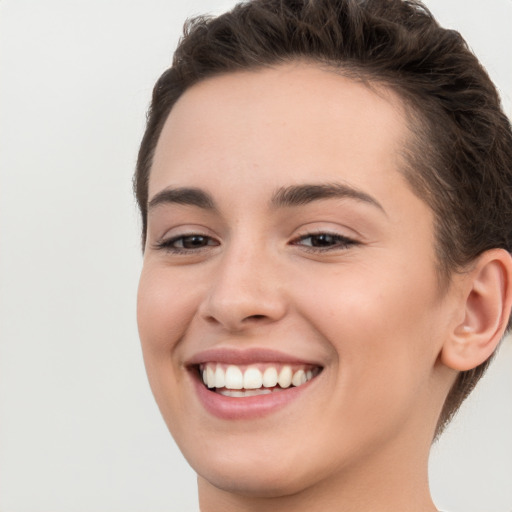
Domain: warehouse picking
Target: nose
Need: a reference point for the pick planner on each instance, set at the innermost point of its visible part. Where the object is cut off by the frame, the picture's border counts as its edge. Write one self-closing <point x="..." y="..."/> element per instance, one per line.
<point x="245" y="291"/>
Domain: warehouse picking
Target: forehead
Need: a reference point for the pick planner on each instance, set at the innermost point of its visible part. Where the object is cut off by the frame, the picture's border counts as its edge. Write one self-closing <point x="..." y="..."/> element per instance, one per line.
<point x="286" y="122"/>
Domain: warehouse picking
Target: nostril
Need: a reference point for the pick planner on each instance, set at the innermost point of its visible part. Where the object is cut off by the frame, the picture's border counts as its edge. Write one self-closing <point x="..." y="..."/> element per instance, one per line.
<point x="251" y="318"/>
<point x="255" y="317"/>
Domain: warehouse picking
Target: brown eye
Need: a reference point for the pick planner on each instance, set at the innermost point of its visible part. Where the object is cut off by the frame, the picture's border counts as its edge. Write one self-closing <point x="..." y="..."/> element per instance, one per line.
<point x="192" y="242"/>
<point x="187" y="243"/>
<point x="325" y="241"/>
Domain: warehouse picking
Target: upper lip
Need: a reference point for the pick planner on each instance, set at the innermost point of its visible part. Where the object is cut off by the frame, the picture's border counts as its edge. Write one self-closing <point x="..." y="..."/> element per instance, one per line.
<point x="245" y="357"/>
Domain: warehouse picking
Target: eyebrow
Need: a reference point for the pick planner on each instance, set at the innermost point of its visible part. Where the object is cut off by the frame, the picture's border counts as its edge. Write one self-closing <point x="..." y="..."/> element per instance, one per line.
<point x="298" y="195"/>
<point x="284" y="197"/>
<point x="183" y="195"/>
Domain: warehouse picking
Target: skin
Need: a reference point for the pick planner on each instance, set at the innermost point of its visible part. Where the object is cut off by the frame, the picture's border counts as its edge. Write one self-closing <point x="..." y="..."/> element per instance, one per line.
<point x="370" y="311"/>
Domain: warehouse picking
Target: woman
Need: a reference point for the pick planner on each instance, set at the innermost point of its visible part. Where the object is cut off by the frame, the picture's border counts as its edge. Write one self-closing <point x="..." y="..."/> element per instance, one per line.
<point x="325" y="194"/>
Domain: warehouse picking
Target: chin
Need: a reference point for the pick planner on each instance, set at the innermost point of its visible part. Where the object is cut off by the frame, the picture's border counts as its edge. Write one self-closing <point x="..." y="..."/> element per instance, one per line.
<point x="253" y="481"/>
<point x="250" y="471"/>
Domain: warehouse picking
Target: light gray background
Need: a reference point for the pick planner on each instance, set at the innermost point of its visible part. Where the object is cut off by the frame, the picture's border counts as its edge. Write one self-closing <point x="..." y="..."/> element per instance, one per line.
<point x="78" y="429"/>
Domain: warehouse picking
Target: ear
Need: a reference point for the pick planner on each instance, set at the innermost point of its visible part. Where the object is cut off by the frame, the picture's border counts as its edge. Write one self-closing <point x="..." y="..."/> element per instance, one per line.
<point x="486" y="305"/>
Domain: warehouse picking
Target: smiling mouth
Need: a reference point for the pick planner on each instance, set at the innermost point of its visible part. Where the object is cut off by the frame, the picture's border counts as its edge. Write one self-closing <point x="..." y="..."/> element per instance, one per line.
<point x="256" y="379"/>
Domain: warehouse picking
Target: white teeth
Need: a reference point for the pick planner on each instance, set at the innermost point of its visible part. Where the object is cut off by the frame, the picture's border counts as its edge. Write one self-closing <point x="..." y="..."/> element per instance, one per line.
<point x="220" y="380"/>
<point x="299" y="378"/>
<point x="285" y="377"/>
<point x="253" y="378"/>
<point x="234" y="378"/>
<point x="270" y="377"/>
<point x="210" y="377"/>
<point x="247" y="392"/>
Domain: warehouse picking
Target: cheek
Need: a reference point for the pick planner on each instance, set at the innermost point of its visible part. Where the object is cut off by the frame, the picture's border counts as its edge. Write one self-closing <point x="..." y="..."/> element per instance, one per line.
<point x="378" y="320"/>
<point x="382" y="350"/>
<point x="164" y="310"/>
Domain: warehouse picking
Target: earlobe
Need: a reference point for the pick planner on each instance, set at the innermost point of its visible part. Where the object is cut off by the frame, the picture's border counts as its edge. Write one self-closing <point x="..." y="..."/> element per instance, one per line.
<point x="487" y="301"/>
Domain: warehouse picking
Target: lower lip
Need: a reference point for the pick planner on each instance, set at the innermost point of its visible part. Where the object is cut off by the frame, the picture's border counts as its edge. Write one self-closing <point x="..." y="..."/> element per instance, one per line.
<point x="251" y="407"/>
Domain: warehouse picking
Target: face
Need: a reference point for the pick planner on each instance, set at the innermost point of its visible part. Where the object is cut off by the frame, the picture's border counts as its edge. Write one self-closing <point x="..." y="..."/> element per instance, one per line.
<point x="288" y="306"/>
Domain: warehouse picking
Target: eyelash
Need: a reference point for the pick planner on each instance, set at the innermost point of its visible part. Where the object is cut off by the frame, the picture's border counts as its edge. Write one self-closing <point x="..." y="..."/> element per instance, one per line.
<point x="337" y="242"/>
<point x="168" y="245"/>
<point x="334" y="242"/>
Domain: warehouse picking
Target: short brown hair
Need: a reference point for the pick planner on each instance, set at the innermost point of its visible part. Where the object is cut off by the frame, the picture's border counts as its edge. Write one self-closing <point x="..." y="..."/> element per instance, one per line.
<point x="460" y="156"/>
